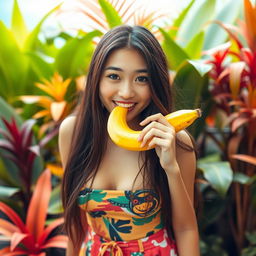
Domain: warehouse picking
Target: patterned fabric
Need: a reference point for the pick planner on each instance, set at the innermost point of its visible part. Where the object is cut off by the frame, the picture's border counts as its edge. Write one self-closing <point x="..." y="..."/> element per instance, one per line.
<point x="157" y="244"/>
<point x="119" y="216"/>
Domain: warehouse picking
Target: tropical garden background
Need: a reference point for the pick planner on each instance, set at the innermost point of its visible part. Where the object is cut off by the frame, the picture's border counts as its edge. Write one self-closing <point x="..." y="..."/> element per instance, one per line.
<point x="212" y="60"/>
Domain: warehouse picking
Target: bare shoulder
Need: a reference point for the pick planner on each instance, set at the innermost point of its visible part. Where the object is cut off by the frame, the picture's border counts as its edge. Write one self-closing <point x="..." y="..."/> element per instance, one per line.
<point x="67" y="125"/>
<point x="65" y="137"/>
<point x="184" y="137"/>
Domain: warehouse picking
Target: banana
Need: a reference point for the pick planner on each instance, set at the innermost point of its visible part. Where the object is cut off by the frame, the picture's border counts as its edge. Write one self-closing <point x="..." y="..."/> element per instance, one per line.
<point x="127" y="138"/>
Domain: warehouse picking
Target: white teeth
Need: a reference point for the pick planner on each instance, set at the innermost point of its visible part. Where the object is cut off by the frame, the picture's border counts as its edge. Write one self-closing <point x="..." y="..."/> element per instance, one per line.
<point x="124" y="105"/>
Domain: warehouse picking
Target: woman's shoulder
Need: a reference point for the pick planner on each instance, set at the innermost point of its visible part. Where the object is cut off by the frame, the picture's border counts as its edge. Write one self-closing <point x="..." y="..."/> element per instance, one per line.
<point x="65" y="137"/>
<point x="67" y="125"/>
<point x="184" y="137"/>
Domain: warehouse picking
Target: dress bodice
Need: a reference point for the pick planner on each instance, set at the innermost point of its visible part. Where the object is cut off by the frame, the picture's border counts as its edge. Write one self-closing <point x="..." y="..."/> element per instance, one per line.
<point x="122" y="215"/>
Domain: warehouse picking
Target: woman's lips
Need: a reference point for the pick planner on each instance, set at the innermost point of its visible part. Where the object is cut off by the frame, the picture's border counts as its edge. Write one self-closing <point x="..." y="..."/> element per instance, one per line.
<point x="129" y="105"/>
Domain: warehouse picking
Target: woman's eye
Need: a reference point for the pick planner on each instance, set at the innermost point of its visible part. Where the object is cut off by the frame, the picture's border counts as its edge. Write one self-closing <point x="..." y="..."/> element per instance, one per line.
<point x="142" y="79"/>
<point x="113" y="76"/>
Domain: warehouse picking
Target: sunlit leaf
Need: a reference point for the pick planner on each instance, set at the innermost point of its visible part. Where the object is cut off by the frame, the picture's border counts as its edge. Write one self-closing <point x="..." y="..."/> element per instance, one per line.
<point x="78" y="51"/>
<point x="178" y="21"/>
<point x="111" y="14"/>
<point x="32" y="39"/>
<point x="13" y="64"/>
<point x="39" y="65"/>
<point x="195" y="46"/>
<point x="7" y="191"/>
<point x="241" y="178"/>
<point x="55" y="205"/>
<point x="195" y="21"/>
<point x="175" y="54"/>
<point x="227" y="14"/>
<point x="201" y="67"/>
<point x="219" y="174"/>
<point x="18" y="26"/>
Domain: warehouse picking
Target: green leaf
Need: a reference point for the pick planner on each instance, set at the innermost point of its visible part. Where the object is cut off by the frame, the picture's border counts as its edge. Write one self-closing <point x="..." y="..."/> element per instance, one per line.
<point x="195" y="21"/>
<point x="78" y="52"/>
<point x="251" y="237"/>
<point x="178" y="21"/>
<point x="190" y="90"/>
<point x="39" y="65"/>
<point x="189" y="81"/>
<point x="32" y="39"/>
<point x="55" y="204"/>
<point x="13" y="64"/>
<point x="18" y="26"/>
<point x="195" y="46"/>
<point x="200" y="67"/>
<point x="175" y="54"/>
<point x="143" y="221"/>
<point x="7" y="191"/>
<point x="215" y="35"/>
<point x="5" y="176"/>
<point x="112" y="16"/>
<point x="210" y="158"/>
<point x="219" y="175"/>
<point x="214" y="206"/>
<point x="7" y="111"/>
<point x="241" y="178"/>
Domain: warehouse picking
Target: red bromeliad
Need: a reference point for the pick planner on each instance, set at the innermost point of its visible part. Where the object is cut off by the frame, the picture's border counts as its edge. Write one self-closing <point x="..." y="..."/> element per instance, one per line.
<point x="32" y="237"/>
<point x="17" y="145"/>
<point x="234" y="83"/>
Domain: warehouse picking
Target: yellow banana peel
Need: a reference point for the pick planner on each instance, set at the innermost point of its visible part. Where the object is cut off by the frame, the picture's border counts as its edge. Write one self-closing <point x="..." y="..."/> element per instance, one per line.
<point x="125" y="137"/>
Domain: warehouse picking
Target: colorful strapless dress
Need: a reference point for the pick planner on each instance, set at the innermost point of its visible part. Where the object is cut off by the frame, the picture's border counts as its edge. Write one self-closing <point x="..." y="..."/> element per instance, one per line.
<point x="124" y="222"/>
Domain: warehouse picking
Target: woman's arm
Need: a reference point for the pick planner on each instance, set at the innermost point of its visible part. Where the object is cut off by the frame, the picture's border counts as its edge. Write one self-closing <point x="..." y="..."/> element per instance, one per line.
<point x="65" y="138"/>
<point x="181" y="185"/>
<point x="180" y="167"/>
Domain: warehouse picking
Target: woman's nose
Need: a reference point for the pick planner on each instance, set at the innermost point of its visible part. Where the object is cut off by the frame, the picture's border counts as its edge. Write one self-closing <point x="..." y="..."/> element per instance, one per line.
<point x="126" y="90"/>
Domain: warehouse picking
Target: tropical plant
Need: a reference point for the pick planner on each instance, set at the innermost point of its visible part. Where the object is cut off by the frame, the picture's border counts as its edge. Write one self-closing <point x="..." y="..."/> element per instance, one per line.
<point x="18" y="147"/>
<point x="32" y="237"/>
<point x="20" y="62"/>
<point x="233" y="87"/>
<point x="105" y="14"/>
<point x="251" y="250"/>
<point x="55" y="106"/>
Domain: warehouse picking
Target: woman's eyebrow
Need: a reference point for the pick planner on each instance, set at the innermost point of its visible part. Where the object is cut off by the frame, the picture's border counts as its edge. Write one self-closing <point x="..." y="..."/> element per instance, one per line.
<point x="119" y="69"/>
<point x="113" y="68"/>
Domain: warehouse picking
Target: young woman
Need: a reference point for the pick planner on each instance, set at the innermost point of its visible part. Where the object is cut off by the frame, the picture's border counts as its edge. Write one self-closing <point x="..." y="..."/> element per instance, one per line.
<point x="120" y="202"/>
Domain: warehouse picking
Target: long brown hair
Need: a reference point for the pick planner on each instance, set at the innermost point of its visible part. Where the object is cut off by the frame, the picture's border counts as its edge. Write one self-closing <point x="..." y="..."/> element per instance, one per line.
<point x="90" y="134"/>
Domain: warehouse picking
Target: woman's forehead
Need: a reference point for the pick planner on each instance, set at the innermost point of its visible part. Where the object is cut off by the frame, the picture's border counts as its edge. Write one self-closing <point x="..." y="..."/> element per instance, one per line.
<point x="126" y="58"/>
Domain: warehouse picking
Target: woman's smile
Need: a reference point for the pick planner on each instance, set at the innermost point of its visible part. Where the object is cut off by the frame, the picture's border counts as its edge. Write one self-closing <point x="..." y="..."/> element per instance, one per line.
<point x="129" y="105"/>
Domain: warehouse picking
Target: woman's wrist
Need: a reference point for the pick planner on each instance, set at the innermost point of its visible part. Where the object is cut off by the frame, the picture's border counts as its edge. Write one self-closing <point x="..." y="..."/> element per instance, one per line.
<point x="172" y="170"/>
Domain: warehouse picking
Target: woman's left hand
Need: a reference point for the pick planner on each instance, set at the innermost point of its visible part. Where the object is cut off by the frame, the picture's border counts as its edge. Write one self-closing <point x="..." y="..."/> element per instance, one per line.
<point x="160" y="134"/>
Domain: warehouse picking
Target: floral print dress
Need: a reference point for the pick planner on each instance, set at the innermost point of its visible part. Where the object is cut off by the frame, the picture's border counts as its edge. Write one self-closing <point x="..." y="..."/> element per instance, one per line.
<point x="124" y="222"/>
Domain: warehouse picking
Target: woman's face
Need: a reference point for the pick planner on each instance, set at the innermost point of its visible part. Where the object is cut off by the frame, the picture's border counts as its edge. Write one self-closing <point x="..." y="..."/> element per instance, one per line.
<point x="124" y="82"/>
